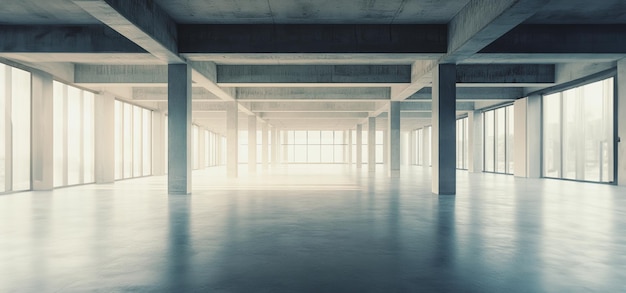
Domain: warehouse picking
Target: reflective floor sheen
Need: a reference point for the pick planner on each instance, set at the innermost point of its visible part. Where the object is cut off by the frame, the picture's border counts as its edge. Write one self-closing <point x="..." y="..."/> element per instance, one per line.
<point x="316" y="229"/>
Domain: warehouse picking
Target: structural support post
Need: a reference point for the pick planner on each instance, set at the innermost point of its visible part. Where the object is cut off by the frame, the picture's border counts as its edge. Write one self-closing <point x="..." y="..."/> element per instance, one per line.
<point x="265" y="146"/>
<point x="104" y="124"/>
<point x="42" y="132"/>
<point x="274" y="146"/>
<point x="179" y="129"/>
<point x="371" y="144"/>
<point x="393" y="140"/>
<point x="232" y="145"/>
<point x="475" y="141"/>
<point x="519" y="140"/>
<point x="533" y="137"/>
<point x="444" y="130"/>
<point x="359" y="146"/>
<point x="252" y="144"/>
<point x="620" y="169"/>
<point x="426" y="145"/>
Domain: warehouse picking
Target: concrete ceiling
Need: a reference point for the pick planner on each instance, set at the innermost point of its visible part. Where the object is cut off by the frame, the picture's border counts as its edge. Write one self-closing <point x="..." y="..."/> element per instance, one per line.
<point x="300" y="80"/>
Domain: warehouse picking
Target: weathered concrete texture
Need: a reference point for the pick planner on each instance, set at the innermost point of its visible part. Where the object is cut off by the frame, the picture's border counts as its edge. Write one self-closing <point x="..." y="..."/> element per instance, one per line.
<point x="427" y="106"/>
<point x="312" y="38"/>
<point x="239" y="75"/>
<point x="474" y="93"/>
<point x="120" y="74"/>
<point x="567" y="72"/>
<point x="621" y="122"/>
<point x="158" y="94"/>
<point x="393" y="139"/>
<point x="444" y="130"/>
<point x="142" y="22"/>
<point x="481" y="22"/>
<point x="509" y="74"/>
<point x="310" y="106"/>
<point x="42" y="132"/>
<point x="312" y="93"/>
<point x="232" y="138"/>
<point x="64" y="39"/>
<point x="179" y="129"/>
<point x="571" y="38"/>
<point x="371" y="144"/>
<point x="313" y="115"/>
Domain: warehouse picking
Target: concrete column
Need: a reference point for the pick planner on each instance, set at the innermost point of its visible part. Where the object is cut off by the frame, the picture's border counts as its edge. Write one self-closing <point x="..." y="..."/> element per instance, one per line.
<point x="359" y="146"/>
<point x="265" y="146"/>
<point x="104" y="148"/>
<point x="232" y="135"/>
<point x="201" y="146"/>
<point x="179" y="129"/>
<point x="533" y="136"/>
<point x="252" y="144"/>
<point x="475" y="141"/>
<point x="274" y="146"/>
<point x="42" y="132"/>
<point x="8" y="130"/>
<point x="426" y="145"/>
<point x="444" y="129"/>
<point x="519" y="140"/>
<point x="350" y="147"/>
<point x="386" y="147"/>
<point x="371" y="144"/>
<point x="620" y="121"/>
<point x="393" y="139"/>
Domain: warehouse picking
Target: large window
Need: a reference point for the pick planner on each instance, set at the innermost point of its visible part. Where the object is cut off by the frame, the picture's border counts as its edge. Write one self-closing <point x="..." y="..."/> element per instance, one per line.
<point x="133" y="141"/>
<point x="364" y="147"/>
<point x="498" y="140"/>
<point x="15" y="116"/>
<point x="210" y="148"/>
<point x="578" y="133"/>
<point x="73" y="140"/>
<point x="461" y="143"/>
<point x="418" y="146"/>
<point x="315" y="146"/>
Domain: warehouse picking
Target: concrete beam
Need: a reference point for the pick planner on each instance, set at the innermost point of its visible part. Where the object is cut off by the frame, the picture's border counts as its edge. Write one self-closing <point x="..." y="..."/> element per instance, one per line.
<point x="208" y="106"/>
<point x="301" y="75"/>
<point x="481" y="22"/>
<point x="561" y="39"/>
<point x="142" y="22"/>
<point x="64" y="39"/>
<point x="427" y="106"/>
<point x="313" y="115"/>
<point x="159" y="94"/>
<point x="254" y="38"/>
<point x="87" y="74"/>
<point x="309" y="93"/>
<point x="312" y="106"/>
<point x="474" y="94"/>
<point x="520" y="75"/>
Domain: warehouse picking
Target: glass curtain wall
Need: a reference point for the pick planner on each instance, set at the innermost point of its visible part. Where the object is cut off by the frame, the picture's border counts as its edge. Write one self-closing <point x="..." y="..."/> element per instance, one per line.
<point x="210" y="149"/>
<point x="364" y="146"/>
<point x="578" y="133"/>
<point x="315" y="146"/>
<point x="133" y="141"/>
<point x="73" y="140"/>
<point x="15" y="98"/>
<point x="461" y="143"/>
<point x="498" y="140"/>
<point x="418" y="141"/>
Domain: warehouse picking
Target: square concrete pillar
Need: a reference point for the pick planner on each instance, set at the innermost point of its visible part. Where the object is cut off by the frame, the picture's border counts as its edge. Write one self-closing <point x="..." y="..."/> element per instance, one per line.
<point x="252" y="144"/>
<point x="426" y="145"/>
<point x="475" y="141"/>
<point x="393" y="140"/>
<point x="620" y="122"/>
<point x="444" y="130"/>
<point x="179" y="129"/>
<point x="232" y="137"/>
<point x="265" y="146"/>
<point x="371" y="144"/>
<point x="104" y="148"/>
<point x="519" y="140"/>
<point x="42" y="132"/>
<point x="359" y="146"/>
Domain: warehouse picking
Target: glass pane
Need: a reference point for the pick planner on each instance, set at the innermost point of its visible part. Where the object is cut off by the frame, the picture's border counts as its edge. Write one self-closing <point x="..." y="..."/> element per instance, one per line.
<point x="489" y="141"/>
<point x="379" y="154"/>
<point x="500" y="140"/>
<point x="74" y="131"/>
<point x="206" y="149"/>
<point x="510" y="137"/>
<point x="147" y="142"/>
<point x="338" y="153"/>
<point x="137" y="139"/>
<point x="88" y="137"/>
<point x="300" y="153"/>
<point x="339" y="137"/>
<point x="58" y="140"/>
<point x="327" y="137"/>
<point x="20" y="111"/>
<point x="128" y="140"/>
<point x="243" y="146"/>
<point x="327" y="154"/>
<point x="571" y="125"/>
<point x="313" y="153"/>
<point x="552" y="135"/>
<point x="313" y="137"/>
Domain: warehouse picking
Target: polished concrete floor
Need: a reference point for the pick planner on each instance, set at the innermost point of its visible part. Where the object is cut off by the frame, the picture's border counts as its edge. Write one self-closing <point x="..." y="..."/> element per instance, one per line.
<point x="316" y="229"/>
